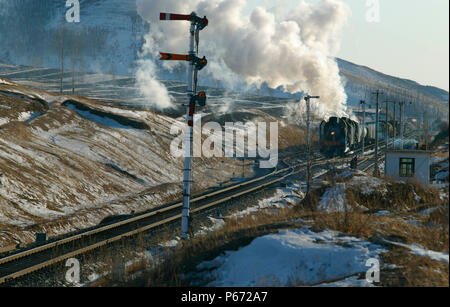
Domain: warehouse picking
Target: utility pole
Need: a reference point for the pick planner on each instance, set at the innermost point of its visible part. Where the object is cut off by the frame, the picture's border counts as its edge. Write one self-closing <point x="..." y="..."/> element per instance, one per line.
<point x="195" y="64"/>
<point x="308" y="142"/>
<point x="62" y="59"/>
<point x="75" y="58"/>
<point x="386" y="136"/>
<point x="425" y="117"/>
<point x="363" y="102"/>
<point x="376" y="171"/>
<point x="401" y="123"/>
<point x="73" y="71"/>
<point x="395" y="124"/>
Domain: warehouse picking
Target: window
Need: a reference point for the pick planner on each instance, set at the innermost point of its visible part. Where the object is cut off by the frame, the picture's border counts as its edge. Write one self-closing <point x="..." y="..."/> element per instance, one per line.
<point x="406" y="167"/>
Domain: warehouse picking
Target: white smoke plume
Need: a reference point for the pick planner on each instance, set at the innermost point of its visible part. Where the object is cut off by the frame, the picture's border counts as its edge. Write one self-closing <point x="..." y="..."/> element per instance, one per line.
<point x="150" y="87"/>
<point x="295" y="112"/>
<point x="293" y="50"/>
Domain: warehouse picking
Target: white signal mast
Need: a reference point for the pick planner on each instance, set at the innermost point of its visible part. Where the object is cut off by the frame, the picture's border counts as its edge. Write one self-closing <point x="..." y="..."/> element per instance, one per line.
<point x="195" y="64"/>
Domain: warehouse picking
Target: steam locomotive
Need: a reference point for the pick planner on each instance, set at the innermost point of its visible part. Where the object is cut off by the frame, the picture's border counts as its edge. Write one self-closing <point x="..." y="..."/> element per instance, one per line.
<point x="341" y="135"/>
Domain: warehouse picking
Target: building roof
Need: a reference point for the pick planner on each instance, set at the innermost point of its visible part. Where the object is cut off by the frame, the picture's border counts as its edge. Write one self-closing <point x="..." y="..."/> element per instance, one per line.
<point x="410" y="151"/>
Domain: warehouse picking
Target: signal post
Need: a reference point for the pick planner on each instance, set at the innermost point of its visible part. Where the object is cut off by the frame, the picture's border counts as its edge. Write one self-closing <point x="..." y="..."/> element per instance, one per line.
<point x="195" y="64"/>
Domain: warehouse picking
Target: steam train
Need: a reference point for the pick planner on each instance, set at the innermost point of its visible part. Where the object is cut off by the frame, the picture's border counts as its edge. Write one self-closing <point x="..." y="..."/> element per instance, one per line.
<point x="341" y="135"/>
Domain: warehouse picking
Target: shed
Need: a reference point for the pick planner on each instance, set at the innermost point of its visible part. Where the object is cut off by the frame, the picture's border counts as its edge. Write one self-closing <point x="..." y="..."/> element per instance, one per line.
<point x="408" y="165"/>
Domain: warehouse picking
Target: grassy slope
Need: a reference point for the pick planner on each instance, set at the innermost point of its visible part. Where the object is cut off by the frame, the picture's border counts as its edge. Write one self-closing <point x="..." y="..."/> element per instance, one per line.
<point x="61" y="172"/>
<point x="400" y="200"/>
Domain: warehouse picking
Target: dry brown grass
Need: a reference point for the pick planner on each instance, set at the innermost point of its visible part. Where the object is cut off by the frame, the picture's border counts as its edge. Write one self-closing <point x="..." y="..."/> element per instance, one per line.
<point x="413" y="270"/>
<point x="240" y="232"/>
<point x="400" y="197"/>
<point x="440" y="216"/>
<point x="431" y="232"/>
<point x="357" y="224"/>
<point x="401" y="201"/>
<point x="441" y="154"/>
<point x="237" y="232"/>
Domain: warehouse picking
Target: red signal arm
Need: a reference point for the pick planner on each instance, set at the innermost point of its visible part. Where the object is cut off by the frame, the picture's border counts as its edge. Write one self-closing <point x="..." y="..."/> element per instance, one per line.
<point x="169" y="16"/>
<point x="174" y="57"/>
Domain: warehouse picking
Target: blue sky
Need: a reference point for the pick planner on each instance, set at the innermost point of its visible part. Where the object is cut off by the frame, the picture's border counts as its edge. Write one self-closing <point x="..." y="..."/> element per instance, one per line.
<point x="410" y="41"/>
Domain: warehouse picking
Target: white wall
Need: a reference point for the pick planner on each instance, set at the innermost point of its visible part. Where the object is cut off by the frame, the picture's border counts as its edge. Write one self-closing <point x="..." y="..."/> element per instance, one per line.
<point x="421" y="166"/>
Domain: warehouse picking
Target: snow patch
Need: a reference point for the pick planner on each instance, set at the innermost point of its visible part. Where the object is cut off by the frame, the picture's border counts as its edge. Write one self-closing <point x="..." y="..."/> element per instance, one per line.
<point x="23" y="116"/>
<point x="348" y="173"/>
<point x="416" y="249"/>
<point x="383" y="213"/>
<point x="368" y="185"/>
<point x="416" y="197"/>
<point x="4" y="121"/>
<point x="428" y="211"/>
<point x="105" y="121"/>
<point x="283" y="198"/>
<point x="348" y="282"/>
<point x="334" y="200"/>
<point x="2" y="81"/>
<point x="215" y="225"/>
<point x="291" y="257"/>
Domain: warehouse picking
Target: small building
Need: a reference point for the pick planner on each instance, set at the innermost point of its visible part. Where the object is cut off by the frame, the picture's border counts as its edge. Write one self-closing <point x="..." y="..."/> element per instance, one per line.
<point x="408" y="165"/>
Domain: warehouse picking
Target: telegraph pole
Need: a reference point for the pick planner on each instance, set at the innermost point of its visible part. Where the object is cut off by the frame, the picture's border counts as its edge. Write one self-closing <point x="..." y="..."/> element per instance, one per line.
<point x="401" y="123"/>
<point x="376" y="171"/>
<point x="386" y="137"/>
<point x="75" y="59"/>
<point x="363" y="102"/>
<point x="308" y="142"/>
<point x="195" y="65"/>
<point x="425" y="116"/>
<point x="62" y="59"/>
<point x="395" y="124"/>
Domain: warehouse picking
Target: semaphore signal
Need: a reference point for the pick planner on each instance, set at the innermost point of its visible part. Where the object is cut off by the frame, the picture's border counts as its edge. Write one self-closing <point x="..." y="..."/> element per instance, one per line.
<point x="200" y="22"/>
<point x="199" y="63"/>
<point x="174" y="57"/>
<point x="195" y="65"/>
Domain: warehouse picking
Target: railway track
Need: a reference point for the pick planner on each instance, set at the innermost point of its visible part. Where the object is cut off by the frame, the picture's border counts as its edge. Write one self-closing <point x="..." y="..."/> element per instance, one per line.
<point x="31" y="260"/>
<point x="368" y="163"/>
<point x="34" y="259"/>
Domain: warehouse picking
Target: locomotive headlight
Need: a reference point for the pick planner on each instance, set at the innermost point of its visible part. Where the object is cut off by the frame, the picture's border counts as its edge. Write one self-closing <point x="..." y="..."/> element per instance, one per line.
<point x="332" y="132"/>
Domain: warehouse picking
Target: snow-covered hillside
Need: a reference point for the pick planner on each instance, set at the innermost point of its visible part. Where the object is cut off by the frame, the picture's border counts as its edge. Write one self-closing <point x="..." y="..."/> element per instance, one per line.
<point x="67" y="162"/>
<point x="351" y="69"/>
<point x="107" y="38"/>
<point x="361" y="81"/>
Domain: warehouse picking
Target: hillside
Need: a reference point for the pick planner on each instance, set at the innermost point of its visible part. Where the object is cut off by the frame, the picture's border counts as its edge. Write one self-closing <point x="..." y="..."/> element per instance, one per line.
<point x="67" y="162"/>
<point x="362" y="76"/>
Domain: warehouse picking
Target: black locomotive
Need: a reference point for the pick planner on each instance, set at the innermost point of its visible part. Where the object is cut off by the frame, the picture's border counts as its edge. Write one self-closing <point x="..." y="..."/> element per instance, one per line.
<point x="341" y="135"/>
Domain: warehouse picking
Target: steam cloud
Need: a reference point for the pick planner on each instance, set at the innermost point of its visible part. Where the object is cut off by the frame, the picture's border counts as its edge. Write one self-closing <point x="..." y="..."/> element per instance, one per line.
<point x="150" y="87"/>
<point x="292" y="49"/>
